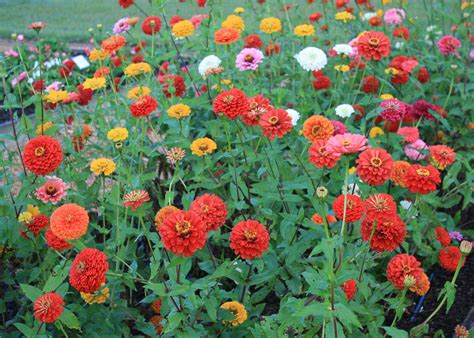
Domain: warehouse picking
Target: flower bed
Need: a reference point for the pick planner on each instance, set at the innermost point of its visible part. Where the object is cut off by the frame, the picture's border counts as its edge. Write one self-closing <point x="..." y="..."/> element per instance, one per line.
<point x="304" y="173"/>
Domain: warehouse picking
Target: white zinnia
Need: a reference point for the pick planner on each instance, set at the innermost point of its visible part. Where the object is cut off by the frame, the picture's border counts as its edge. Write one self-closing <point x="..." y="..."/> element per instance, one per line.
<point x="368" y="16"/>
<point x="295" y="116"/>
<point x="343" y="48"/>
<point x="344" y="110"/>
<point x="209" y="62"/>
<point x="311" y="58"/>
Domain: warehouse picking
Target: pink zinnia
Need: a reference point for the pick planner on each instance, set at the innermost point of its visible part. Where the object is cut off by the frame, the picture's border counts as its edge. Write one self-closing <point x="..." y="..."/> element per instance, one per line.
<point x="412" y="152"/>
<point x="448" y="44"/>
<point x="249" y="59"/>
<point x="196" y="19"/>
<point x="411" y="134"/>
<point x="346" y="144"/>
<point x="409" y="65"/>
<point x="394" y="16"/>
<point x="339" y="127"/>
<point x="393" y="110"/>
<point x="54" y="190"/>
<point x="121" y="26"/>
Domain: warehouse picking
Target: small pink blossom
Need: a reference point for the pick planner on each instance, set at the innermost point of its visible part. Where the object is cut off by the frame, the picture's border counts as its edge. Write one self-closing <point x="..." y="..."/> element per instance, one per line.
<point x="412" y="150"/>
<point x="56" y="85"/>
<point x="11" y="53"/>
<point x="20" y="38"/>
<point x="248" y="59"/>
<point x="19" y="79"/>
<point x="54" y="190"/>
<point x="394" y="16"/>
<point x="346" y="144"/>
<point x="196" y="19"/>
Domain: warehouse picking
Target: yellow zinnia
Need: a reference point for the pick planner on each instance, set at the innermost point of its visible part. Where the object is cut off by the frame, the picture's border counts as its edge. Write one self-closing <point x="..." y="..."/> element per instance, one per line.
<point x="234" y="21"/>
<point x="98" y="297"/>
<point x="203" y="146"/>
<point x="179" y="111"/>
<point x="344" y="16"/>
<point x="97" y="54"/>
<point x="386" y="96"/>
<point x="270" y="25"/>
<point x="183" y="29"/>
<point x="117" y="134"/>
<point x="138" y="92"/>
<point x="102" y="166"/>
<point x="94" y="83"/>
<point x="304" y="30"/>
<point x="138" y="68"/>
<point x="375" y="131"/>
<point x="342" y="68"/>
<point x="55" y="96"/>
<point x="239" y="10"/>
<point x="43" y="127"/>
<point x="238" y="310"/>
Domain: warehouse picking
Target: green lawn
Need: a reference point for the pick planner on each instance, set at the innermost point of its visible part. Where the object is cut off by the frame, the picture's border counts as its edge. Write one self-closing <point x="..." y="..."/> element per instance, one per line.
<point x="70" y="19"/>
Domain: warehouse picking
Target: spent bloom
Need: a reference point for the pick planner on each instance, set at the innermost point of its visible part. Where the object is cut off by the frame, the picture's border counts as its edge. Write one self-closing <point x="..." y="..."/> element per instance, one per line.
<point x="238" y="310"/>
<point x="175" y="155"/>
<point x="311" y="58"/>
<point x="248" y="59"/>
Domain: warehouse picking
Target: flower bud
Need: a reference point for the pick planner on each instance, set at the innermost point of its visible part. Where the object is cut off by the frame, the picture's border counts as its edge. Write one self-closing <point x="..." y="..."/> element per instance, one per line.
<point x="118" y="145"/>
<point x="90" y="30"/>
<point x="409" y="281"/>
<point x="321" y="192"/>
<point x="14" y="35"/>
<point x="99" y="26"/>
<point x="465" y="247"/>
<point x="454" y="66"/>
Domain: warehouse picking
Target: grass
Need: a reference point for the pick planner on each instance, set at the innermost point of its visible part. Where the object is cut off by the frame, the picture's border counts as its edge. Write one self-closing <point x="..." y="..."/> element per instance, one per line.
<point x="70" y="19"/>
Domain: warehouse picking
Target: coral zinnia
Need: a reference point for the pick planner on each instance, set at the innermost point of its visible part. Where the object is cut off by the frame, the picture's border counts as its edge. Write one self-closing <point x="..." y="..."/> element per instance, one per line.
<point x="162" y="214"/>
<point x="52" y="191"/>
<point x="346" y="144"/>
<point x="422" y="285"/>
<point x="151" y="25"/>
<point x="42" y="155"/>
<point x="275" y="122"/>
<point x="258" y="106"/>
<point x="374" y="166"/>
<point x="211" y="209"/>
<point x="48" y="307"/>
<point x="231" y="103"/>
<point x="399" y="170"/>
<point x="238" y="310"/>
<point x="225" y="36"/>
<point x="349" y="287"/>
<point x="380" y="206"/>
<point x="442" y="236"/>
<point x="317" y="127"/>
<point x="56" y="243"/>
<point x="319" y="155"/>
<point x="87" y="273"/>
<point x="317" y="219"/>
<point x="143" y="106"/>
<point x="249" y="239"/>
<point x="354" y="207"/>
<point x="449" y="258"/>
<point x="69" y="221"/>
<point x="183" y="232"/>
<point x="373" y="45"/>
<point x="422" y="179"/>
<point x="113" y="43"/>
<point x="441" y="156"/>
<point x="135" y="198"/>
<point x="400" y="266"/>
<point x="410" y="134"/>
<point x="389" y="232"/>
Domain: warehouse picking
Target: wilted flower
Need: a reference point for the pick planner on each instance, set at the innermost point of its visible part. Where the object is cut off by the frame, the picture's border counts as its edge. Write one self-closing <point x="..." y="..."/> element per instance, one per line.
<point x="175" y="155"/>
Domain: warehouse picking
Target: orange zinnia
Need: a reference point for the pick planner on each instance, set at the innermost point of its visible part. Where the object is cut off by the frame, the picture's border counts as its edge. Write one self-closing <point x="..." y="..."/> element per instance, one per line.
<point x="317" y="127"/>
<point x="398" y="173"/>
<point x="162" y="214"/>
<point x="422" y="285"/>
<point x="113" y="43"/>
<point x="225" y="36"/>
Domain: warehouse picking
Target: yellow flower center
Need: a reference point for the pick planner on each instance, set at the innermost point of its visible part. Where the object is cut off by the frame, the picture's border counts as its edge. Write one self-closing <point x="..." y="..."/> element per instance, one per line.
<point x="273" y="120"/>
<point x="250" y="234"/>
<point x="346" y="142"/>
<point x="39" y="151"/>
<point x="228" y="98"/>
<point x="373" y="42"/>
<point x="422" y="172"/>
<point x="376" y="162"/>
<point x="315" y="130"/>
<point x="183" y="228"/>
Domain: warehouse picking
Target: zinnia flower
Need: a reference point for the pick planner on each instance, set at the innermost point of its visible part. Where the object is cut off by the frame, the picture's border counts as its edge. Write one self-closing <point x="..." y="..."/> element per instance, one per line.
<point x="373" y="45"/>
<point x="380" y="206"/>
<point x="400" y="266"/>
<point x="42" y="155"/>
<point x="394" y="16"/>
<point x="248" y="59"/>
<point x="69" y="221"/>
<point x="54" y="190"/>
<point x="317" y="127"/>
<point x="311" y="59"/>
<point x="253" y="41"/>
<point x="98" y="297"/>
<point x="347" y="143"/>
<point x="55" y="242"/>
<point x="441" y="156"/>
<point x="344" y="110"/>
<point x="392" y="110"/>
<point x="442" y="236"/>
<point x="175" y="155"/>
<point x="178" y="111"/>
<point x="275" y="122"/>
<point x="317" y="219"/>
<point x="143" y="106"/>
<point x="304" y="30"/>
<point x="48" y="307"/>
<point x="249" y="239"/>
<point x="295" y="116"/>
<point x="410" y="134"/>
<point x="113" y="44"/>
<point x="349" y="287"/>
<point x="175" y="81"/>
<point x="320" y="156"/>
<point x="182" y="29"/>
<point x="374" y="166"/>
<point x="422" y="285"/>
<point x="121" y="26"/>
<point x="87" y="273"/>
<point x="231" y="103"/>
<point x="138" y="92"/>
<point x="412" y="150"/>
<point x="102" y="166"/>
<point x="37" y="224"/>
<point x="234" y="21"/>
<point x="354" y="207"/>
<point x="183" y="232"/>
<point x="203" y="146"/>
<point x="270" y="25"/>
<point x="450" y="257"/>
<point x="162" y="214"/>
<point x="389" y="232"/>
<point x="135" y="198"/>
<point x="138" y="68"/>
<point x="117" y="134"/>
<point x="211" y="209"/>
<point x="422" y="179"/>
<point x="225" y="36"/>
<point x="448" y="44"/>
<point x="238" y="310"/>
<point x="151" y="25"/>
<point x="258" y="106"/>
<point x="207" y="64"/>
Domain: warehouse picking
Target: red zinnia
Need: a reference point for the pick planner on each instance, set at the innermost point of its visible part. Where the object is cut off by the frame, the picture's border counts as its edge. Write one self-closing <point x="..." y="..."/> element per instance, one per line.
<point x="379" y="206"/>
<point x="211" y="209"/>
<point x="401" y="32"/>
<point x="42" y="155"/>
<point x="85" y="95"/>
<point x="150" y="29"/>
<point x="422" y="179"/>
<point x="321" y="82"/>
<point x="400" y="266"/>
<point x="375" y="21"/>
<point x="253" y="41"/>
<point x="176" y="81"/>
<point x="275" y="122"/>
<point x="423" y="75"/>
<point x="249" y="239"/>
<point x="425" y="109"/>
<point x="143" y="106"/>
<point x="183" y="232"/>
<point x="354" y="207"/>
<point x="126" y="3"/>
<point x="258" y="106"/>
<point x="442" y="236"/>
<point x="56" y="243"/>
<point x="393" y="110"/>
<point x="314" y="17"/>
<point x="349" y="287"/>
<point x="272" y="48"/>
<point x="48" y="307"/>
<point x="87" y="273"/>
<point x="38" y="224"/>
<point x="410" y="134"/>
<point x="320" y="156"/>
<point x="370" y="84"/>
<point x="389" y="232"/>
<point x="374" y="166"/>
<point x="373" y="45"/>
<point x="231" y="103"/>
<point x="449" y="258"/>
<point x="441" y="156"/>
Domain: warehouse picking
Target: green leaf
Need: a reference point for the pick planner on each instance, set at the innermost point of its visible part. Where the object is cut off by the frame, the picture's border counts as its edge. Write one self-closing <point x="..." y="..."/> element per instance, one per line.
<point x="31" y="292"/>
<point x="394" y="332"/>
<point x="27" y="331"/>
<point x="70" y="320"/>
